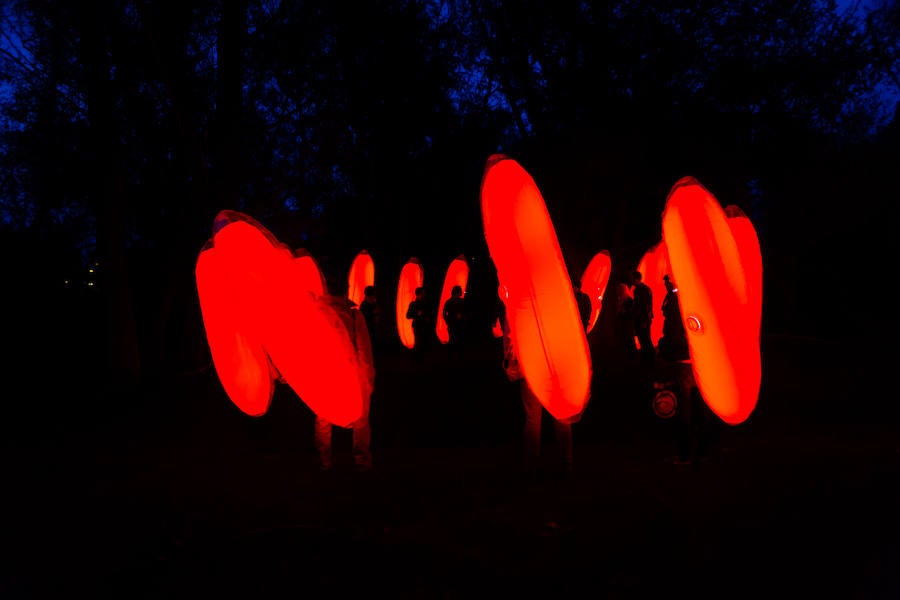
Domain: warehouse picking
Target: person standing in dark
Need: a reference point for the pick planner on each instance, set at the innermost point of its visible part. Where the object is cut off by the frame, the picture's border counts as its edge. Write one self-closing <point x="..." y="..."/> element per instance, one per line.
<point x="420" y="312"/>
<point x="371" y="310"/>
<point x="584" y="304"/>
<point x="675" y="357"/>
<point x="355" y="325"/>
<point x="642" y="314"/>
<point x="625" y="320"/>
<point x="673" y="343"/>
<point x="534" y="413"/>
<point x="454" y="315"/>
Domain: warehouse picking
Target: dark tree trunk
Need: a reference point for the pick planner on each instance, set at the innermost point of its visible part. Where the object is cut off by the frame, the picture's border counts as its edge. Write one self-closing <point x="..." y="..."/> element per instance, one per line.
<point x="121" y="341"/>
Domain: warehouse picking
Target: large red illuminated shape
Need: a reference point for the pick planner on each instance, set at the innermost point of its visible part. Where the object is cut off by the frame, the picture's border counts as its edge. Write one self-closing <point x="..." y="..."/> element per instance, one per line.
<point x="362" y="275"/>
<point x="263" y="320"/>
<point x="308" y="272"/>
<point x="457" y="274"/>
<point x="594" y="282"/>
<point x="716" y="262"/>
<point x="412" y="275"/>
<point x="540" y="304"/>
<point x="653" y="265"/>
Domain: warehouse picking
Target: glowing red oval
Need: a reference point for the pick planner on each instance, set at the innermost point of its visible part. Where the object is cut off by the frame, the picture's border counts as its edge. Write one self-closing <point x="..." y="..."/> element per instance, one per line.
<point x="457" y="274"/>
<point x="312" y="349"/>
<point x="750" y="258"/>
<point x="719" y="277"/>
<point x="239" y="359"/>
<point x="540" y="306"/>
<point x="361" y="275"/>
<point x="412" y="275"/>
<point x="594" y="282"/>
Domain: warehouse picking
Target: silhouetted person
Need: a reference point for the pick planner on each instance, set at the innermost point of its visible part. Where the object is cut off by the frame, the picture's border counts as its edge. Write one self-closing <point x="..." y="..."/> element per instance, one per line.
<point x="355" y="324"/>
<point x="371" y="310"/>
<point x="625" y="320"/>
<point x="673" y="344"/>
<point x="534" y="411"/>
<point x="691" y="413"/>
<point x="456" y="318"/>
<point x="421" y="313"/>
<point x="642" y="315"/>
<point x="584" y="304"/>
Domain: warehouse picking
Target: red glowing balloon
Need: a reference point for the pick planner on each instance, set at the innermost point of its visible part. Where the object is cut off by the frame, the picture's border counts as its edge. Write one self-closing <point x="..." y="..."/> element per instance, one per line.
<point x="234" y="341"/>
<point x="750" y="256"/>
<point x="594" y="282"/>
<point x="653" y="265"/>
<point x="715" y="259"/>
<point x="412" y="275"/>
<point x="263" y="319"/>
<point x="309" y="275"/>
<point x="362" y="275"/>
<point x="457" y="274"/>
<point x="541" y="310"/>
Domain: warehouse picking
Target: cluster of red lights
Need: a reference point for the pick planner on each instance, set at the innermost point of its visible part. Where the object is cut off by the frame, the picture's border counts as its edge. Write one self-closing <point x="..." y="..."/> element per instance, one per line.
<point x="265" y="321"/>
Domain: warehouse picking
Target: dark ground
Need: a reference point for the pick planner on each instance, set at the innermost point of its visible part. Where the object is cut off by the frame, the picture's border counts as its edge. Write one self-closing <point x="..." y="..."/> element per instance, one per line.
<point x="177" y="494"/>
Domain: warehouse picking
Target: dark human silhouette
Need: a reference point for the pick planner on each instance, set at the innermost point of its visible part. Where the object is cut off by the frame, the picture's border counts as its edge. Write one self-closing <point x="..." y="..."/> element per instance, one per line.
<point x="534" y="412"/>
<point x="371" y="310"/>
<point x="673" y="344"/>
<point x="584" y="304"/>
<point x="355" y="323"/>
<point x="642" y="318"/>
<point x="421" y="313"/>
<point x="675" y="368"/>
<point x="456" y="318"/>
<point x="625" y="320"/>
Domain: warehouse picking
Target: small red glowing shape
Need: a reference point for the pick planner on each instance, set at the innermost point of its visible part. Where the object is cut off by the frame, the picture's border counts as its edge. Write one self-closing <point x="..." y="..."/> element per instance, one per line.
<point x="361" y="275"/>
<point x="594" y="282"/>
<point x="457" y="274"/>
<point x="263" y="320"/>
<point x="412" y="275"/>
<point x="497" y="328"/>
<point x="541" y="311"/>
<point x="715" y="260"/>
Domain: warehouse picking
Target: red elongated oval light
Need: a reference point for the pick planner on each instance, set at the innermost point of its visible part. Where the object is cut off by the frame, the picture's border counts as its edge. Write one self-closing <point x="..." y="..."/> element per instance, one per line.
<point x="412" y="275"/>
<point x="540" y="304"/>
<point x="230" y="268"/>
<point x="361" y="275"/>
<point x="750" y="258"/>
<point x="715" y="259"/>
<point x="594" y="282"/>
